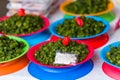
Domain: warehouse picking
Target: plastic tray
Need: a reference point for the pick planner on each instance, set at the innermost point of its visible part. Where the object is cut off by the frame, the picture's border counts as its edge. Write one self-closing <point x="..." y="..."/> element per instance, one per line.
<point x="111" y="71"/>
<point x="72" y="73"/>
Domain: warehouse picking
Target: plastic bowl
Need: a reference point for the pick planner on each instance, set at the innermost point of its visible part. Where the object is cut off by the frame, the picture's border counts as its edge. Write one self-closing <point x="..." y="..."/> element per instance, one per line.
<point x="105" y="50"/>
<point x="110" y="7"/>
<point x="23" y="53"/>
<point x="54" y="25"/>
<point x="46" y="25"/>
<point x="32" y="50"/>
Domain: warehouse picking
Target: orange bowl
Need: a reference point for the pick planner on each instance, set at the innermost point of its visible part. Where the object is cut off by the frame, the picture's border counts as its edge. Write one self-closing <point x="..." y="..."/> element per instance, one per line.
<point x="13" y="66"/>
<point x="110" y="7"/>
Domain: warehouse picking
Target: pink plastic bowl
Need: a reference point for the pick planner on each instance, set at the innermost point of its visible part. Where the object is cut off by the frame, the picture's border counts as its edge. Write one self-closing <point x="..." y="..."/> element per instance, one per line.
<point x="46" y="25"/>
<point x="32" y="50"/>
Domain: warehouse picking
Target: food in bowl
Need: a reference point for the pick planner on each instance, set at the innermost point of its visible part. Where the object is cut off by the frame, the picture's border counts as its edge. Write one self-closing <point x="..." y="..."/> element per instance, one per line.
<point x="80" y="27"/>
<point x="87" y="6"/>
<point x="21" y="23"/>
<point x="47" y="52"/>
<point x="10" y="48"/>
<point x="114" y="55"/>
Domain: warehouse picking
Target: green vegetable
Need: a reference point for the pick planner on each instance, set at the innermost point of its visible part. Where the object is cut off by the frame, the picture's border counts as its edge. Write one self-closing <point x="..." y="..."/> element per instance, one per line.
<point x="87" y="6"/>
<point x="114" y="55"/>
<point x="46" y="53"/>
<point x="10" y="48"/>
<point x="70" y="27"/>
<point x="21" y="25"/>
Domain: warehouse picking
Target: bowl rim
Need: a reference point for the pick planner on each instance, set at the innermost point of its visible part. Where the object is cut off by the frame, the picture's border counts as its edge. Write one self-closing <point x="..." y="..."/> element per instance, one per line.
<point x="60" y="21"/>
<point x="32" y="50"/>
<point x="26" y="48"/>
<point x="46" y="25"/>
<point x="110" y="7"/>
<point x="104" y="52"/>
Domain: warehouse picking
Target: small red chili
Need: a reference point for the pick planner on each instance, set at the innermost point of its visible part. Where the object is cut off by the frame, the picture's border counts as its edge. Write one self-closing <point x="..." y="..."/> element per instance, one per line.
<point x="66" y="40"/>
<point x="21" y="12"/>
<point x="79" y="21"/>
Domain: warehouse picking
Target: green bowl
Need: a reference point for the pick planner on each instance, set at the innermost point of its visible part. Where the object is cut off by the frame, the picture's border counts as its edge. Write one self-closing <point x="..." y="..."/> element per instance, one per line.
<point x="25" y="49"/>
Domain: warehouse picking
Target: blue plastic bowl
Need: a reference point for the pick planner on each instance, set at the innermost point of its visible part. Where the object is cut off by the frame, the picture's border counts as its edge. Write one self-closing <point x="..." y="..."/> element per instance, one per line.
<point x="54" y="25"/>
<point x="107" y="49"/>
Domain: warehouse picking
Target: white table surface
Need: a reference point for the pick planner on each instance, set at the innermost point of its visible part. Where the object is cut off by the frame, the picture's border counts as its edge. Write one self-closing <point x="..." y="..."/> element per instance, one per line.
<point x="96" y="73"/>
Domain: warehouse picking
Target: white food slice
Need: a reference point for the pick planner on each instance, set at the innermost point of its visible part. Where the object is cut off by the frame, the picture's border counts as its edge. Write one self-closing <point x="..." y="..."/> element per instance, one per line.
<point x="65" y="58"/>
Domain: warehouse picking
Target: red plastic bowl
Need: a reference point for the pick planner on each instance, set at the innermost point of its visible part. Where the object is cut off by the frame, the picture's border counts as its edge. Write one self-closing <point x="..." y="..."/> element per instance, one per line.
<point x="46" y="25"/>
<point x="32" y="50"/>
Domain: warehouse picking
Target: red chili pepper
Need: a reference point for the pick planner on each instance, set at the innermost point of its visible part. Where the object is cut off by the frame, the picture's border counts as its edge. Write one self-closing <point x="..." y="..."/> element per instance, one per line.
<point x="21" y="12"/>
<point x="79" y="21"/>
<point x="66" y="41"/>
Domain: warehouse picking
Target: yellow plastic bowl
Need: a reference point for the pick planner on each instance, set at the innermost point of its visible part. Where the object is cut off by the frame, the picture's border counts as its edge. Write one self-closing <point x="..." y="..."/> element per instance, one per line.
<point x="110" y="7"/>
